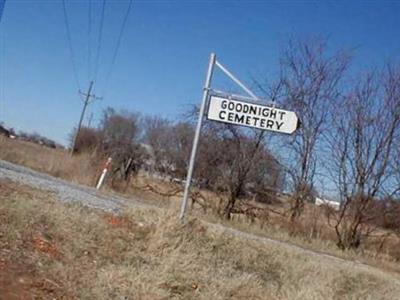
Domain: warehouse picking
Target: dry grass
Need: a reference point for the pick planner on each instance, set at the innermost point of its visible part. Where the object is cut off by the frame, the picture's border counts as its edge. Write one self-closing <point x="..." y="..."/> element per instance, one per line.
<point x="312" y="230"/>
<point x="49" y="250"/>
<point x="81" y="168"/>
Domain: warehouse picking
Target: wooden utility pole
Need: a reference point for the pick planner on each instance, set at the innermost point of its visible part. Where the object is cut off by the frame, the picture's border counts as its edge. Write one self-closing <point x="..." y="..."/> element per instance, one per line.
<point x="90" y="120"/>
<point x="88" y="96"/>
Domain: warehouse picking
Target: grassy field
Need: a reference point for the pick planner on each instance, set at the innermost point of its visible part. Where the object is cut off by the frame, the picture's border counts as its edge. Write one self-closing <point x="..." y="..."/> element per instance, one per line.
<point x="57" y="162"/>
<point x="312" y="231"/>
<point x="49" y="250"/>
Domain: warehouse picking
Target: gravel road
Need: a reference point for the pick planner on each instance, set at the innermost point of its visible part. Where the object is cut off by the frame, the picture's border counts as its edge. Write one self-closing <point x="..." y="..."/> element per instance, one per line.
<point x="65" y="191"/>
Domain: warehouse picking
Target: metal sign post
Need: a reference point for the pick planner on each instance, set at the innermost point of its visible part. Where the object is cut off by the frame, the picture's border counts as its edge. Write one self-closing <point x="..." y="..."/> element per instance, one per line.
<point x="197" y="134"/>
<point x="235" y="111"/>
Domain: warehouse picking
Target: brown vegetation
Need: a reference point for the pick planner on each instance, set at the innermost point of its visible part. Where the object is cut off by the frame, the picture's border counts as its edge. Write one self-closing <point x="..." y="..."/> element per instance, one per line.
<point x="313" y="229"/>
<point x="83" y="168"/>
<point x="362" y="140"/>
<point x="310" y="84"/>
<point x="147" y="254"/>
<point x="349" y="136"/>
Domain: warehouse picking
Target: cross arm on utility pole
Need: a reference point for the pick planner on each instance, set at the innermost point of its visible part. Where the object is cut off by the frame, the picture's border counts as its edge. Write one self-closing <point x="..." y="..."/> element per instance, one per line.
<point x="88" y="98"/>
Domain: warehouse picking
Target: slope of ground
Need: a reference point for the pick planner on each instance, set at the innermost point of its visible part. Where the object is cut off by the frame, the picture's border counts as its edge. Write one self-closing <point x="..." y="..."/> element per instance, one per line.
<point x="312" y="231"/>
<point x="56" y="162"/>
<point x="53" y="250"/>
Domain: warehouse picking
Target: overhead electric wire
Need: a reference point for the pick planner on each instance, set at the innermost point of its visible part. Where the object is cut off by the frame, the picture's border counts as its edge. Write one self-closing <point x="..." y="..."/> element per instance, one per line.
<point x="2" y="4"/>
<point x="99" y="40"/>
<point x="89" y="40"/>
<point x="95" y="67"/>
<point x="71" y="49"/>
<point x="114" y="57"/>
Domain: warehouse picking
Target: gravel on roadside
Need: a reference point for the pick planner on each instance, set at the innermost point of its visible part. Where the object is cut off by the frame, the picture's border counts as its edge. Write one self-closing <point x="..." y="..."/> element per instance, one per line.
<point x="65" y="191"/>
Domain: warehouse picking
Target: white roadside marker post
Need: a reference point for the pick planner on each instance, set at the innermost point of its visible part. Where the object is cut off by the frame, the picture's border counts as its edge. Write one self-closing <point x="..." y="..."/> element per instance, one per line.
<point x="103" y="173"/>
<point x="197" y="135"/>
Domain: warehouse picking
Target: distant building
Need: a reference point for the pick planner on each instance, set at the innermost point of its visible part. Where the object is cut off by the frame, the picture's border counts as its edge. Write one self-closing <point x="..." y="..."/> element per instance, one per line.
<point x="333" y="204"/>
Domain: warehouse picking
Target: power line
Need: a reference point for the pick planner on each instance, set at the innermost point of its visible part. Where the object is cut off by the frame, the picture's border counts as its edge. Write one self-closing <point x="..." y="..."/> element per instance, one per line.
<point x="71" y="50"/>
<point x="88" y="96"/>
<point x="2" y="4"/>
<point x="121" y="32"/>
<point x="89" y="40"/>
<point x="99" y="40"/>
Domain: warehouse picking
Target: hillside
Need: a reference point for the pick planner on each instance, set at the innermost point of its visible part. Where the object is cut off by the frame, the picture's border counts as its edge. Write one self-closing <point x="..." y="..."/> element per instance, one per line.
<point x="54" y="250"/>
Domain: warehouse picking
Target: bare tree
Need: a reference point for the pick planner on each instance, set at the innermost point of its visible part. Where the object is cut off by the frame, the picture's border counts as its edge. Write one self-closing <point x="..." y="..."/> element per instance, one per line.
<point x="237" y="162"/>
<point x="157" y="134"/>
<point x="395" y="169"/>
<point x="88" y="140"/>
<point x="365" y="125"/>
<point x="171" y="144"/>
<point x="120" y="140"/>
<point x="231" y="160"/>
<point x="38" y="139"/>
<point x="310" y="81"/>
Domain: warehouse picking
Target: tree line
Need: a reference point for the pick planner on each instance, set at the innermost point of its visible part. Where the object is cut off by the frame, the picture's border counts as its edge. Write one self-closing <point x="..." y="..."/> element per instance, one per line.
<point x="348" y="138"/>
